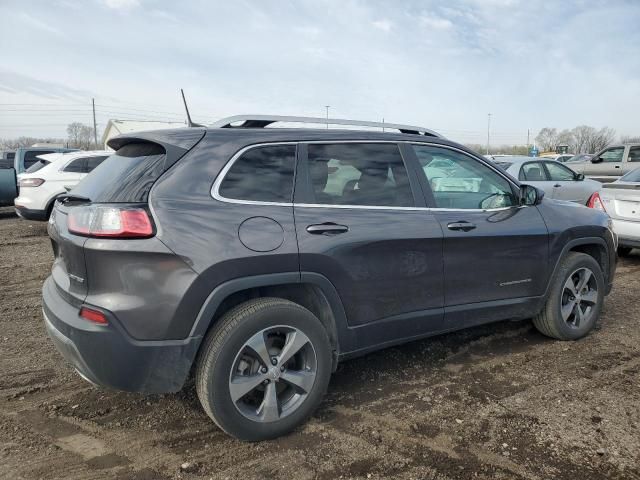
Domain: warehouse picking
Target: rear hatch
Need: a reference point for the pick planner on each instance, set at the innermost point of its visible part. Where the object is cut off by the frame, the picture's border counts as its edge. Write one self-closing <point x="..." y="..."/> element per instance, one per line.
<point x="121" y="182"/>
<point x="622" y="200"/>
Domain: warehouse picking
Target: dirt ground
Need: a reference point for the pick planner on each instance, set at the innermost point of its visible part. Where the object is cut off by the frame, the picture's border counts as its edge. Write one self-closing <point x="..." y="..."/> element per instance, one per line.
<point x="499" y="401"/>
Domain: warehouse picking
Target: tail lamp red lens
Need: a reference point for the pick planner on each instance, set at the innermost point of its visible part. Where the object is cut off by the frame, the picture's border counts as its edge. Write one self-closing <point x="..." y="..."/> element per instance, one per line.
<point x="110" y="222"/>
<point x="94" y="316"/>
<point x="596" y="202"/>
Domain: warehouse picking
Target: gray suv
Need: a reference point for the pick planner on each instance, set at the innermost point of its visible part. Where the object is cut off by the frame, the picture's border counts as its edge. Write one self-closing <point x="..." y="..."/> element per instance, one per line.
<point x="256" y="259"/>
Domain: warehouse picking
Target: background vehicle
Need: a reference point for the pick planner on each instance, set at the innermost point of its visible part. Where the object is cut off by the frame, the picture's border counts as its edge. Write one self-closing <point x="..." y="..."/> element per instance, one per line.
<point x="180" y="252"/>
<point x="52" y="175"/>
<point x="563" y="157"/>
<point x="610" y="163"/>
<point x="581" y="157"/>
<point x="24" y="157"/>
<point x="621" y="200"/>
<point x="556" y="179"/>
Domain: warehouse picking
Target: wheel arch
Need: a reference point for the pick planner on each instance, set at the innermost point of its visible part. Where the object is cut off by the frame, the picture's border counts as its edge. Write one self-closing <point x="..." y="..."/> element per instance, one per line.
<point x="310" y="290"/>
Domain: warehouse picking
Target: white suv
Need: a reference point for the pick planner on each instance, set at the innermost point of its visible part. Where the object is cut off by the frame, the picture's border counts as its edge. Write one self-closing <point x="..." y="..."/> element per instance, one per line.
<point x="53" y="175"/>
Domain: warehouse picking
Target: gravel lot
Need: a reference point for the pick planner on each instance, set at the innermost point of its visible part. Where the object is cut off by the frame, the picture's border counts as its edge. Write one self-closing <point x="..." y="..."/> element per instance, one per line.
<point x="499" y="401"/>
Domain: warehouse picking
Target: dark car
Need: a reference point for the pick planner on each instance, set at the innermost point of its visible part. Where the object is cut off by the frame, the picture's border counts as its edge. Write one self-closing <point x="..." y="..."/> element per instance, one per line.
<point x="258" y="258"/>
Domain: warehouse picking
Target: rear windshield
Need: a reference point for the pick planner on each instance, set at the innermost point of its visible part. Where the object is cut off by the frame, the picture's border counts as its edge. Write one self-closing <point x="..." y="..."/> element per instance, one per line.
<point x="125" y="176"/>
<point x="37" y="166"/>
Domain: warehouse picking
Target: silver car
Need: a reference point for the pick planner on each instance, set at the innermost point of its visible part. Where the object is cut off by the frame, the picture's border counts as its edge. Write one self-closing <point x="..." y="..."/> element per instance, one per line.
<point x="555" y="178"/>
<point x="621" y="200"/>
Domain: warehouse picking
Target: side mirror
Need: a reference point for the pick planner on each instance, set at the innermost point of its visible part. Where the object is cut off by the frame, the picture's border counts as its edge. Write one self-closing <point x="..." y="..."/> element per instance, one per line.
<point x="579" y="177"/>
<point x="530" y="195"/>
<point x="596" y="160"/>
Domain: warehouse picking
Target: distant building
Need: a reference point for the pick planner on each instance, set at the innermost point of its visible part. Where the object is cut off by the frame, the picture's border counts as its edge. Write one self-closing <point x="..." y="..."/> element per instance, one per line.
<point x="116" y="127"/>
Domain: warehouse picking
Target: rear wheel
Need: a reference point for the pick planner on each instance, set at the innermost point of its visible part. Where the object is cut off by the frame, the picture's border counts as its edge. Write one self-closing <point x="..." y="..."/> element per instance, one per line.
<point x="624" y="251"/>
<point x="264" y="368"/>
<point x="575" y="299"/>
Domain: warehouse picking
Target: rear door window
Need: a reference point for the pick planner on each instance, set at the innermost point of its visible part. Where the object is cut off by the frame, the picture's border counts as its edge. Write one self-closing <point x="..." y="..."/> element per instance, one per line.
<point x="559" y="173"/>
<point x="634" y="154"/>
<point x="77" y="165"/>
<point x="366" y="174"/>
<point x="261" y="174"/>
<point x="125" y="176"/>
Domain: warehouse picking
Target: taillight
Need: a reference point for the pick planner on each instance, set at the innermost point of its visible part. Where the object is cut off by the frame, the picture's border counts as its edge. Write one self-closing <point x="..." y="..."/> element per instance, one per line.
<point x="596" y="202"/>
<point x="30" y="182"/>
<point x="94" y="316"/>
<point x="110" y="222"/>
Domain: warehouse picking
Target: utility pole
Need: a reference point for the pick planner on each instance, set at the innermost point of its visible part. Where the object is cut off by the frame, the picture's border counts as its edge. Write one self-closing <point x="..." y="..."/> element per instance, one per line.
<point x="327" y="107"/>
<point x="527" y="138"/>
<point x="95" y="127"/>
<point x="383" y="124"/>
<point x="488" y="131"/>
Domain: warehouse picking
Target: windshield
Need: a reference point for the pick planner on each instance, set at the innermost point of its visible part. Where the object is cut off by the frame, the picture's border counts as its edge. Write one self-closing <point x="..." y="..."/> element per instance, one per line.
<point x="37" y="166"/>
<point x="632" y="176"/>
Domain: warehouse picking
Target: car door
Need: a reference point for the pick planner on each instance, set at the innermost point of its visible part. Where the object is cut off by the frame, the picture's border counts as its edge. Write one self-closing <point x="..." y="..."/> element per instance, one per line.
<point x="495" y="251"/>
<point x="566" y="185"/>
<point x="361" y="222"/>
<point x="72" y="173"/>
<point x="534" y="174"/>
<point x="633" y="158"/>
<point x="607" y="165"/>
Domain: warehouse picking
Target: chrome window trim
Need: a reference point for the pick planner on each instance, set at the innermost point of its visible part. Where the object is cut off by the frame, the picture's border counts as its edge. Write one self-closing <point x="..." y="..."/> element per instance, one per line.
<point x="220" y="178"/>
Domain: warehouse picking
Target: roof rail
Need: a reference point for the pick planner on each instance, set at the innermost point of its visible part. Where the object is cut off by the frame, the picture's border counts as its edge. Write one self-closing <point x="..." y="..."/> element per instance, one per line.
<point x="261" y="121"/>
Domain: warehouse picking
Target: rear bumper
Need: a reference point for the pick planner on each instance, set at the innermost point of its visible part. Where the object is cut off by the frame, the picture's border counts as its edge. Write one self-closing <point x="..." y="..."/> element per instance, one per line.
<point x="628" y="233"/>
<point x="31" y="214"/>
<point x="107" y="356"/>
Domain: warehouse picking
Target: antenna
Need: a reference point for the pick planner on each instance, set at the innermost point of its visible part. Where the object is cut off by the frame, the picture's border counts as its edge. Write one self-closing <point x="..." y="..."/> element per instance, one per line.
<point x="189" y="122"/>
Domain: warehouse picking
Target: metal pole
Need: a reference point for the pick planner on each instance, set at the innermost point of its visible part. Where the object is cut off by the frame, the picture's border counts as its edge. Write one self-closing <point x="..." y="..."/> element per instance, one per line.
<point x="488" y="132"/>
<point x="327" y="107"/>
<point x="95" y="127"/>
<point x="383" y="124"/>
<point x="527" y="138"/>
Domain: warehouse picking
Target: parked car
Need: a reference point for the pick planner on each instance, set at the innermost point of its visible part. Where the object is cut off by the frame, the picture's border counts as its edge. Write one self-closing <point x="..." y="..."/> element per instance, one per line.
<point x="621" y="200"/>
<point x="23" y="158"/>
<point x="51" y="176"/>
<point x="259" y="258"/>
<point x="581" y="157"/>
<point x="562" y="157"/>
<point x="611" y="163"/>
<point x="555" y="178"/>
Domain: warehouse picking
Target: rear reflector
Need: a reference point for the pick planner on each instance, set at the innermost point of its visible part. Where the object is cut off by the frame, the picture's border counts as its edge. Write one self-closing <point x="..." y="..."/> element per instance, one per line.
<point x="110" y="222"/>
<point x="596" y="202"/>
<point x="93" y="316"/>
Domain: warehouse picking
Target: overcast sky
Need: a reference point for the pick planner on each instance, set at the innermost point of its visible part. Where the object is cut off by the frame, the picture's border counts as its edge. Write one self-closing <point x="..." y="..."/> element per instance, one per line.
<point x="438" y="64"/>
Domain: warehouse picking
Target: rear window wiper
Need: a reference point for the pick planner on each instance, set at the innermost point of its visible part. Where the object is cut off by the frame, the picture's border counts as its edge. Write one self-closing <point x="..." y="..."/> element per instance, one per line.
<point x="70" y="197"/>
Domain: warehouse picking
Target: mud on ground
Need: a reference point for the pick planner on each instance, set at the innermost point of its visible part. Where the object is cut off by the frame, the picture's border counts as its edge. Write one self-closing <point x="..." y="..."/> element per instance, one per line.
<point x="495" y="402"/>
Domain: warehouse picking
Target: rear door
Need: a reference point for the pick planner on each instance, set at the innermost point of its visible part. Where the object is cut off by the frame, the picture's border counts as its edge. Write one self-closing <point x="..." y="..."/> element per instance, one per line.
<point x="565" y="184"/>
<point x="361" y="223"/>
<point x="495" y="251"/>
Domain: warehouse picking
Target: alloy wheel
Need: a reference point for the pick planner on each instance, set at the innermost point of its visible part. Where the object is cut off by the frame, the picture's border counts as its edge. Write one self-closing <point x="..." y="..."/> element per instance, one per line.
<point x="579" y="298"/>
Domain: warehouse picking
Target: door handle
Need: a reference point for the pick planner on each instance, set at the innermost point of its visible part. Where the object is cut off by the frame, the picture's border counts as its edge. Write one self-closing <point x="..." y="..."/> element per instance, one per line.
<point x="557" y="185"/>
<point x="463" y="226"/>
<point x="328" y="228"/>
<point x="616" y="166"/>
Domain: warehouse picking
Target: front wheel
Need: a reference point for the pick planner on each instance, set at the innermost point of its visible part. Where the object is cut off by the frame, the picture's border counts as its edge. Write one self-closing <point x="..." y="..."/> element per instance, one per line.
<point x="575" y="299"/>
<point x="264" y="368"/>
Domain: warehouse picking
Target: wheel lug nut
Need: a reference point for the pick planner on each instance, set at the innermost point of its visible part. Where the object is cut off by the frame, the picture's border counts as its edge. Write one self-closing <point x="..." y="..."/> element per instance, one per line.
<point x="265" y="382"/>
<point x="274" y="361"/>
<point x="264" y="370"/>
<point x="282" y="368"/>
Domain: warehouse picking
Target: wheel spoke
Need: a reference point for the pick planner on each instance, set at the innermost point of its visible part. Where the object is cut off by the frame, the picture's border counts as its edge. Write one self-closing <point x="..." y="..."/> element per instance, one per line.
<point x="591" y="297"/>
<point x="302" y="379"/>
<point x="579" y="315"/>
<point x="569" y="285"/>
<point x="241" y="385"/>
<point x="567" y="309"/>
<point x="585" y="276"/>
<point x="295" y="341"/>
<point x="269" y="410"/>
<point x="259" y="348"/>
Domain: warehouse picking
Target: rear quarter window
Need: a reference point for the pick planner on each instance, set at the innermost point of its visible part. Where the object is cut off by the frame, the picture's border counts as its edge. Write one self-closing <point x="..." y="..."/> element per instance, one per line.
<point x="126" y="176"/>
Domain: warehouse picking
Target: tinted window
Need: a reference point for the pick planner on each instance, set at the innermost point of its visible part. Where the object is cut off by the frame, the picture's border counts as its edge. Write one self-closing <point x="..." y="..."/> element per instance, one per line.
<point x="76" y="166"/>
<point x="93" y="162"/>
<point x="632" y="176"/>
<point x="126" y="176"/>
<point x="470" y="184"/>
<point x="559" y="173"/>
<point x="634" y="154"/>
<point x="37" y="166"/>
<point x="532" y="172"/>
<point x="368" y="174"/>
<point x="6" y="163"/>
<point x="261" y="174"/>
<point x="31" y="156"/>
<point x="612" y="155"/>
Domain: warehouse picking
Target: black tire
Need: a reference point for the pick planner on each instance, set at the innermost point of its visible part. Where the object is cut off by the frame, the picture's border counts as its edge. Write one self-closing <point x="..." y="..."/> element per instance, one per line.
<point x="550" y="321"/>
<point x="624" y="251"/>
<point x="223" y="346"/>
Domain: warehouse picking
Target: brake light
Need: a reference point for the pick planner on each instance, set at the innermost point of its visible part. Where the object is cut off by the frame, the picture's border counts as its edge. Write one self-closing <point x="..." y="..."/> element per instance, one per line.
<point x="596" y="202"/>
<point x="94" y="316"/>
<point x="30" y="182"/>
<point x="110" y="222"/>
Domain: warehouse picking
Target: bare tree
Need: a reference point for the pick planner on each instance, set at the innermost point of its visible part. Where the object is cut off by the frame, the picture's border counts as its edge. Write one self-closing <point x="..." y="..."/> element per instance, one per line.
<point x="13" y="143"/>
<point x="582" y="135"/>
<point x="565" y="137"/>
<point x="547" y="138"/>
<point x="80" y="135"/>
<point x="601" y="139"/>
